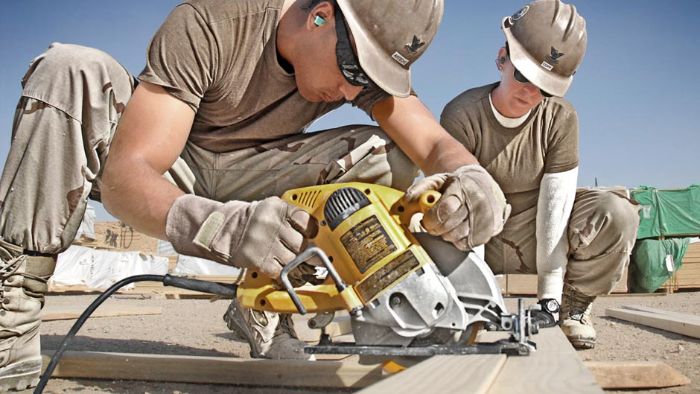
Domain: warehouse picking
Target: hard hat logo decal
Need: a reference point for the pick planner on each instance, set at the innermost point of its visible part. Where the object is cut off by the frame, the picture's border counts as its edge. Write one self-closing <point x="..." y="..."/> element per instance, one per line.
<point x="399" y="58"/>
<point x="520" y="13"/>
<point x="554" y="56"/>
<point x="551" y="59"/>
<point x="415" y="45"/>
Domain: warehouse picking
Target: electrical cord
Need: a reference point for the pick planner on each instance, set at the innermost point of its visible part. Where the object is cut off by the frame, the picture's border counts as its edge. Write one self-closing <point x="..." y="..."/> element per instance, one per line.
<point x="221" y="289"/>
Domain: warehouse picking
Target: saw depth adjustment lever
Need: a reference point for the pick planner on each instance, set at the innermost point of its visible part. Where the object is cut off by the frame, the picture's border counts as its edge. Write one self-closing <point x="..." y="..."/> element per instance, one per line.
<point x="543" y="312"/>
<point x="348" y="294"/>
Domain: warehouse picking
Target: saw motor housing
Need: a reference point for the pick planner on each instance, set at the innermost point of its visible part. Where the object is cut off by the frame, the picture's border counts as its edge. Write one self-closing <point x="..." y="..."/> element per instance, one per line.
<point x="363" y="231"/>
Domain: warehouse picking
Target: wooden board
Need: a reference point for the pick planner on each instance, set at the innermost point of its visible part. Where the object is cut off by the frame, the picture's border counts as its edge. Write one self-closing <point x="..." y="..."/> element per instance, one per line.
<point x="526" y="284"/>
<point x="444" y="374"/>
<point x="616" y="375"/>
<point x="688" y="276"/>
<point x="677" y="322"/>
<point x="64" y="312"/>
<point x="214" y="370"/>
<point x="554" y="368"/>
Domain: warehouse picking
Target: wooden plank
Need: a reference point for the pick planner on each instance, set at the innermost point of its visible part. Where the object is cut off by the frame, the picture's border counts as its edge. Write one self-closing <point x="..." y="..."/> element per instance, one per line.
<point x="526" y="284"/>
<point x="664" y="321"/>
<point x="688" y="274"/>
<point x="694" y="319"/>
<point x="616" y="375"/>
<point x="214" y="370"/>
<point x="634" y="295"/>
<point x="554" y="368"/>
<point x="63" y="312"/>
<point x="523" y="284"/>
<point x="444" y="374"/>
<point x="59" y="289"/>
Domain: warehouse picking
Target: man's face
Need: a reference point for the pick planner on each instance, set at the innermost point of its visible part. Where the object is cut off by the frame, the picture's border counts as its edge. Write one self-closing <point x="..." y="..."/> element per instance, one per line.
<point x="521" y="97"/>
<point x="318" y="74"/>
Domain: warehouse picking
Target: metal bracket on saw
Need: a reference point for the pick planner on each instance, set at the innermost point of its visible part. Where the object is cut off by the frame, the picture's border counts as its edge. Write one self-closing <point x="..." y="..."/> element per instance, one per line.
<point x="500" y="347"/>
<point x="520" y="326"/>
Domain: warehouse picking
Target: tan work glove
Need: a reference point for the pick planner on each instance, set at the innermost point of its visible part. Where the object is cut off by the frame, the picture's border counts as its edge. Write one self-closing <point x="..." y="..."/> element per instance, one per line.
<point x="262" y="235"/>
<point x="472" y="208"/>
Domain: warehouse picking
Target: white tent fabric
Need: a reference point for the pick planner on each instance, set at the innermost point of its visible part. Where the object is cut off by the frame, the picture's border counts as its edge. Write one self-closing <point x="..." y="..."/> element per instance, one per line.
<point x="165" y="248"/>
<point x="87" y="226"/>
<point x="188" y="265"/>
<point x="99" y="269"/>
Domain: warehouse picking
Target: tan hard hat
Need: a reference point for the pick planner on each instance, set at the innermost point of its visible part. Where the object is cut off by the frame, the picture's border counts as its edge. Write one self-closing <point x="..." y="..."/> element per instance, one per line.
<point x="390" y="35"/>
<point x="547" y="40"/>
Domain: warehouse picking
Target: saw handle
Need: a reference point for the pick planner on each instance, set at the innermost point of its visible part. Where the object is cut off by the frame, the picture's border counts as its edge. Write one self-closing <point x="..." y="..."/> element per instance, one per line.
<point x="302" y="257"/>
<point x="406" y="209"/>
<point x="427" y="200"/>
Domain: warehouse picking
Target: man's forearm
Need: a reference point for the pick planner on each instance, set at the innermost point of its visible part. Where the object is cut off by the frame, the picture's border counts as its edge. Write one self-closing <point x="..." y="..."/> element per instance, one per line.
<point x="416" y="131"/>
<point x="447" y="155"/>
<point x="151" y="134"/>
<point x="139" y="196"/>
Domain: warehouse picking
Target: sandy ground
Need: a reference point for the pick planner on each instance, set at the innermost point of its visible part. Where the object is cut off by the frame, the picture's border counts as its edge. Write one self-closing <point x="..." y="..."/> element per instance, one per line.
<point x="195" y="327"/>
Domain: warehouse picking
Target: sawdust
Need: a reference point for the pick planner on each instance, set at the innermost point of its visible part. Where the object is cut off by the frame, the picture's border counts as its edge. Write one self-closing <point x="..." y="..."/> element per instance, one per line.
<point x="195" y="327"/>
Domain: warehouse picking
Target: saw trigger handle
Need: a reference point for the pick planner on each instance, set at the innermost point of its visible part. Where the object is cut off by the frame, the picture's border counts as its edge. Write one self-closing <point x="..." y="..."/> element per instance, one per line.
<point x="302" y="257"/>
<point x="428" y="199"/>
<point x="406" y="209"/>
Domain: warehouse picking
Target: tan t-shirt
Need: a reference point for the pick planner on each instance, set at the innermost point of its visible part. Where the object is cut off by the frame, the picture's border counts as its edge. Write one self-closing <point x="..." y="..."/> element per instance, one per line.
<point x="517" y="158"/>
<point x="220" y="57"/>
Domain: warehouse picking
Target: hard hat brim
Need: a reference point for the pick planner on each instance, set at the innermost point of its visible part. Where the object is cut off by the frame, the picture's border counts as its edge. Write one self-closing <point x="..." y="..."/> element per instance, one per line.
<point x="384" y="71"/>
<point x="532" y="69"/>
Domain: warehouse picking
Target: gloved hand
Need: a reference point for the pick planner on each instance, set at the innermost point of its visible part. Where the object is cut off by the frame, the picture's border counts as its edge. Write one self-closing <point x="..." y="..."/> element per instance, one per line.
<point x="262" y="235"/>
<point x="472" y="208"/>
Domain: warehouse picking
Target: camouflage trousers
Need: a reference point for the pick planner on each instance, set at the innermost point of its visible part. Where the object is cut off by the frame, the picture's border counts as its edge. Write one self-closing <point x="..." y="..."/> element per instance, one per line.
<point x="70" y="106"/>
<point x="601" y="233"/>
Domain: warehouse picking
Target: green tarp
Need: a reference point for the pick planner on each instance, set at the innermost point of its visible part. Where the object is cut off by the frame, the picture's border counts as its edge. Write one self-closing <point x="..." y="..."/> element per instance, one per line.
<point x="668" y="213"/>
<point x="651" y="265"/>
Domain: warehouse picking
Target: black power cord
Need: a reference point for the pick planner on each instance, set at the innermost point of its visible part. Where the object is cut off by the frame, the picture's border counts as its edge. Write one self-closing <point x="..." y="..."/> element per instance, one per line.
<point x="226" y="290"/>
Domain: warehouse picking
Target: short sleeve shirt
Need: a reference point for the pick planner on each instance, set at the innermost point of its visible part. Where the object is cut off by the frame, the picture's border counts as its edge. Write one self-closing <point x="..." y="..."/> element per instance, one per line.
<point x="220" y="58"/>
<point x="517" y="158"/>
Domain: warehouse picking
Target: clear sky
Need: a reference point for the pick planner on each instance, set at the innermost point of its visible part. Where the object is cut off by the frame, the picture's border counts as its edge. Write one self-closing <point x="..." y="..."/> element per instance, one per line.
<point x="635" y="92"/>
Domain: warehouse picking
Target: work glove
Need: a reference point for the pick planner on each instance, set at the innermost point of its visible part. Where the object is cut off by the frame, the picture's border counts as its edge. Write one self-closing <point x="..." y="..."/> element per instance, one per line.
<point x="471" y="210"/>
<point x="262" y="235"/>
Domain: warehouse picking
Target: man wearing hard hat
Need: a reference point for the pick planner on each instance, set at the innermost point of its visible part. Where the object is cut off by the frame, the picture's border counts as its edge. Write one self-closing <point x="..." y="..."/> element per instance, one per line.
<point x="198" y="152"/>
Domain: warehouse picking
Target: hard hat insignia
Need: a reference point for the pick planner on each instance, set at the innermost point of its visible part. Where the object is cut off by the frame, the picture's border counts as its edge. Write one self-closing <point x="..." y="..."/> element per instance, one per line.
<point x="554" y="56"/>
<point x="521" y="13"/>
<point x="415" y="45"/>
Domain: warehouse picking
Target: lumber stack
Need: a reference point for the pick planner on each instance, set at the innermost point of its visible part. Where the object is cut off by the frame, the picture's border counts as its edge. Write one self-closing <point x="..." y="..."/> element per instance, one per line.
<point x="688" y="276"/>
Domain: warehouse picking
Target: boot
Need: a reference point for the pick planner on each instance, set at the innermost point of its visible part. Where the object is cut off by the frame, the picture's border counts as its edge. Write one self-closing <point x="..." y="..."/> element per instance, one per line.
<point x="270" y="335"/>
<point x="23" y="283"/>
<point x="575" y="318"/>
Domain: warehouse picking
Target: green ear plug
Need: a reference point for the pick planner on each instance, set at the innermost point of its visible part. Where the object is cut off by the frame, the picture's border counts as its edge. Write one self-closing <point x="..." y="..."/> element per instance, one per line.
<point x="319" y="21"/>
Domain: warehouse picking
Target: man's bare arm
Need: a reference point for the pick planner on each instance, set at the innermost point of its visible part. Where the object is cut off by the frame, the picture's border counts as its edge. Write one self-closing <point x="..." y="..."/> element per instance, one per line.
<point x="151" y="135"/>
<point x="416" y="131"/>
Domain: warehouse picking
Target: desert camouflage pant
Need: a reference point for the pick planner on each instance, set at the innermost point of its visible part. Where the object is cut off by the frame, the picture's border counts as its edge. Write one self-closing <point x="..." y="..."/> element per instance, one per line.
<point x="601" y="233"/>
<point x="71" y="102"/>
